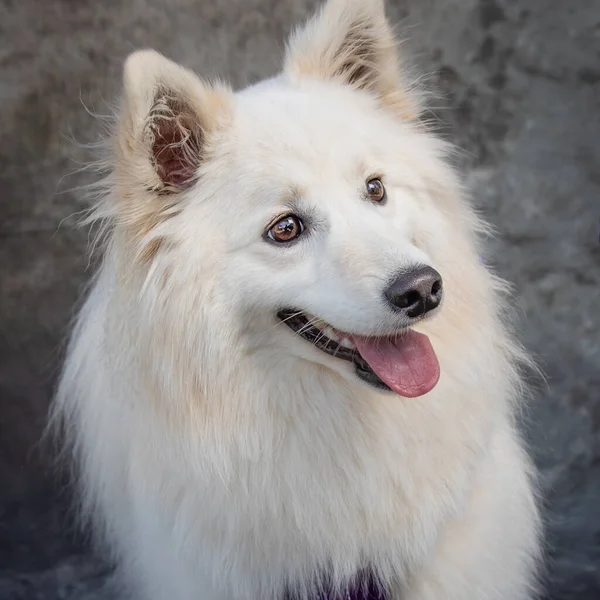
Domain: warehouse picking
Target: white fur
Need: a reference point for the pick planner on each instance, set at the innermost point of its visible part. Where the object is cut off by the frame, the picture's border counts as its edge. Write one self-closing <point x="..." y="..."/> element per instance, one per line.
<point x="221" y="456"/>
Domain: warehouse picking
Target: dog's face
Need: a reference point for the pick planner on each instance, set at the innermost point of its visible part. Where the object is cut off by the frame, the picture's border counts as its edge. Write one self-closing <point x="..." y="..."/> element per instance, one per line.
<point x="317" y="198"/>
<point x="331" y="224"/>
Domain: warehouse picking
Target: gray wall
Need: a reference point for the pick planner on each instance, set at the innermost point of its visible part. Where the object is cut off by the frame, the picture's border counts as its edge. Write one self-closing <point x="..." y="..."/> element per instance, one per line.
<point x="521" y="85"/>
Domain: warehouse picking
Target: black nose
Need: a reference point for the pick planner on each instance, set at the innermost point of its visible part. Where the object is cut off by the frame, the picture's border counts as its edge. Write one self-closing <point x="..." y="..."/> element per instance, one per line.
<point x="416" y="292"/>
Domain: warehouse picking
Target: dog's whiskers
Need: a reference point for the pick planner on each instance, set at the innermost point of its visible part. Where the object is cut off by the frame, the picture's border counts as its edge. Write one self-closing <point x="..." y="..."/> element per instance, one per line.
<point x="319" y="337"/>
<point x="280" y="321"/>
<point x="337" y="350"/>
<point x="308" y="325"/>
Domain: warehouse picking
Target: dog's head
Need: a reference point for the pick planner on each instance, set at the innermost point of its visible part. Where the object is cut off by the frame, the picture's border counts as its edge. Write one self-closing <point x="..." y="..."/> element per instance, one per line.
<point x="312" y="210"/>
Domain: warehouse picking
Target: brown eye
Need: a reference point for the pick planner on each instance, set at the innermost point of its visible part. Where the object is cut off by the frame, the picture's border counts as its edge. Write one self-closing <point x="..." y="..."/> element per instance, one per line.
<point x="286" y="229"/>
<point x="375" y="190"/>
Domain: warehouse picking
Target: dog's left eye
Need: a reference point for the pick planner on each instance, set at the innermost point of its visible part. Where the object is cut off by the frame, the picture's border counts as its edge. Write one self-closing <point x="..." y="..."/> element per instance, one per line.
<point x="375" y="190"/>
<point x="286" y="229"/>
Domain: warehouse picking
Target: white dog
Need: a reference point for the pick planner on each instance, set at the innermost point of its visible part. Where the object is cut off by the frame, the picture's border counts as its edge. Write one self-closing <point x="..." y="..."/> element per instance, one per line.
<point x="288" y="267"/>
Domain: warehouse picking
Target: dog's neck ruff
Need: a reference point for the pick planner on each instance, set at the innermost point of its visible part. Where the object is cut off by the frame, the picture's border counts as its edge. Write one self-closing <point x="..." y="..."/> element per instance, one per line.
<point x="364" y="586"/>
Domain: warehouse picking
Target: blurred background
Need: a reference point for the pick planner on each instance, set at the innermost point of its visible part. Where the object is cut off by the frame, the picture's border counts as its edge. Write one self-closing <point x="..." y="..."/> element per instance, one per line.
<point x="519" y="91"/>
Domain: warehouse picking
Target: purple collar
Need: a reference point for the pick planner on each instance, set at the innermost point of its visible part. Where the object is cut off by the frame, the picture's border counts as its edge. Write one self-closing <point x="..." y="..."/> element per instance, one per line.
<point x="364" y="586"/>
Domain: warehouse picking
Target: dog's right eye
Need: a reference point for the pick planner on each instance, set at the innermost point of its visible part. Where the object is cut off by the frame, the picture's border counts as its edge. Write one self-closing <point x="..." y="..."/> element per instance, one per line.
<point x="376" y="190"/>
<point x="286" y="229"/>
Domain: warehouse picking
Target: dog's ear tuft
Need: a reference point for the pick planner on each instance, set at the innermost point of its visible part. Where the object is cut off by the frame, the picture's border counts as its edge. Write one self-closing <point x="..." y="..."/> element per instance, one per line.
<point x="167" y="119"/>
<point x="351" y="41"/>
<point x="174" y="135"/>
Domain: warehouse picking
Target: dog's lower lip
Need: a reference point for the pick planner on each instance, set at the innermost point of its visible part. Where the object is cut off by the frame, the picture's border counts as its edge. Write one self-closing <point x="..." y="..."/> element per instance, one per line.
<point x="300" y="324"/>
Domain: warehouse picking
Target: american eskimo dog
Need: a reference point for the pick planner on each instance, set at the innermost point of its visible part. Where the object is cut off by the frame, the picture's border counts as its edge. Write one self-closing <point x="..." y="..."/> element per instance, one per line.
<point x="291" y="378"/>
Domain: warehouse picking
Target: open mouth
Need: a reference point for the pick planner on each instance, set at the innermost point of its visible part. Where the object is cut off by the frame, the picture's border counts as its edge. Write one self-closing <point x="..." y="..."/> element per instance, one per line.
<point x="404" y="363"/>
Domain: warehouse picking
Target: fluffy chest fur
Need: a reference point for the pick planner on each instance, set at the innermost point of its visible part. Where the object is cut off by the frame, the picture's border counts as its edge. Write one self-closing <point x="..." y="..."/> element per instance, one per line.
<point x="276" y="480"/>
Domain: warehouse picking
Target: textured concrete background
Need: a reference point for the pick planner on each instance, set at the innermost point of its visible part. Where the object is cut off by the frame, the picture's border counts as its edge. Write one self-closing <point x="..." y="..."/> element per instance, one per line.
<point x="521" y="95"/>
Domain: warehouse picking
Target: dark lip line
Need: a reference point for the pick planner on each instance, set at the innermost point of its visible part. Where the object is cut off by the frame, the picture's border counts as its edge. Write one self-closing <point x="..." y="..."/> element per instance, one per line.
<point x="297" y="321"/>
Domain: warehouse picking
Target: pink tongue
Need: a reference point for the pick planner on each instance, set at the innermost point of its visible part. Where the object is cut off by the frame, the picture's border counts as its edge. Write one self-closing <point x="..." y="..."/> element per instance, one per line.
<point x="407" y="364"/>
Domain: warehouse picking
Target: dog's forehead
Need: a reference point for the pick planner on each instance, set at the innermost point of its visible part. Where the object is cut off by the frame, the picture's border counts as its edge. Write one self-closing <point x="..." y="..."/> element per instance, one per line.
<point x="319" y="122"/>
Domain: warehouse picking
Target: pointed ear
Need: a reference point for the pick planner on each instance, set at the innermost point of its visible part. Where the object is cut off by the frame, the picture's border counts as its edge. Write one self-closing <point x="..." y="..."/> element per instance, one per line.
<point x="351" y="41"/>
<point x="167" y="118"/>
<point x="167" y="122"/>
